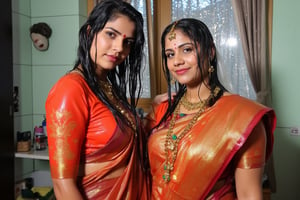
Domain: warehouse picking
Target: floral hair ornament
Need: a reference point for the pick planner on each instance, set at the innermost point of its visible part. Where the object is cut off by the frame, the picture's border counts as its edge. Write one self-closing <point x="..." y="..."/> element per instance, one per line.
<point x="172" y="34"/>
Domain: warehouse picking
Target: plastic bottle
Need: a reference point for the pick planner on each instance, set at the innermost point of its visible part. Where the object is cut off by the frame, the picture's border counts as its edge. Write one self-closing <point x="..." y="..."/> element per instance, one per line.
<point x="40" y="138"/>
<point x="44" y="126"/>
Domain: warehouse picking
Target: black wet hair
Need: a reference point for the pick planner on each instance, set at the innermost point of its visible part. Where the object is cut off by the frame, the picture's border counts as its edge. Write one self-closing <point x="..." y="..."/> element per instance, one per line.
<point x="129" y="71"/>
<point x="199" y="33"/>
<point x="126" y="77"/>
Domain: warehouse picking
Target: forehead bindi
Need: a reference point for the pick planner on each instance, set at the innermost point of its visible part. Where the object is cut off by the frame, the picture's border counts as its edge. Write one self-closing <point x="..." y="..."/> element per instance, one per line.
<point x="180" y="40"/>
<point x="122" y="25"/>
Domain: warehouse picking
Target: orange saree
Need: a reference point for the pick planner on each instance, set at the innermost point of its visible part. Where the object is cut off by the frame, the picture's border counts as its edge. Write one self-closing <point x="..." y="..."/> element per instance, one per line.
<point x="208" y="154"/>
<point x="82" y="130"/>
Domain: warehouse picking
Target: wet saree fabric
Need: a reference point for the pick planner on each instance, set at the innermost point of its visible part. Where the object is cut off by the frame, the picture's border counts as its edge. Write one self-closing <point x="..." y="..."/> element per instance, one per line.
<point x="208" y="153"/>
<point x="82" y="130"/>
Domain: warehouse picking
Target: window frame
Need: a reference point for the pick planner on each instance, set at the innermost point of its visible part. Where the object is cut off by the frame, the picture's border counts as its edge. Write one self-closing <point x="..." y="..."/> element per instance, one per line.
<point x="161" y="18"/>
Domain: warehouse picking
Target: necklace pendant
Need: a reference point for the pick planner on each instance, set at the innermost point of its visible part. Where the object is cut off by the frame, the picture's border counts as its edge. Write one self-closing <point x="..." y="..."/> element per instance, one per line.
<point x="171" y="145"/>
<point x="174" y="137"/>
<point x="166" y="177"/>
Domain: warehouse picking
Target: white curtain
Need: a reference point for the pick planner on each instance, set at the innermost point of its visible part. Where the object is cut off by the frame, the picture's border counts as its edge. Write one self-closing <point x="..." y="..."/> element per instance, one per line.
<point x="219" y="17"/>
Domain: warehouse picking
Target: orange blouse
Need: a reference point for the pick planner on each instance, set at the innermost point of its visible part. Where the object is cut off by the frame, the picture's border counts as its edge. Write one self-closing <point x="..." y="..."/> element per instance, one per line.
<point x="78" y="123"/>
<point x="81" y="129"/>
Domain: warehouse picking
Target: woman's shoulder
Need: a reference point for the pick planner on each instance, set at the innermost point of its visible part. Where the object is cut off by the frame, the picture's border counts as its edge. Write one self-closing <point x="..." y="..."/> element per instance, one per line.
<point x="236" y="98"/>
<point x="240" y="102"/>
<point x="71" y="77"/>
<point x="162" y="107"/>
<point x="71" y="80"/>
<point x="69" y="84"/>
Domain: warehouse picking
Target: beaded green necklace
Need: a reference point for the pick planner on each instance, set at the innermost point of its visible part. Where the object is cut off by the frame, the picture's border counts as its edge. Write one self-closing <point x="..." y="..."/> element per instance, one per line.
<point x="172" y="140"/>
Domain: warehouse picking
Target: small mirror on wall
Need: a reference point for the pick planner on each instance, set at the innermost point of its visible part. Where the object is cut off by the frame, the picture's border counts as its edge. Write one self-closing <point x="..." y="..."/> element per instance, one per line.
<point x="40" y="34"/>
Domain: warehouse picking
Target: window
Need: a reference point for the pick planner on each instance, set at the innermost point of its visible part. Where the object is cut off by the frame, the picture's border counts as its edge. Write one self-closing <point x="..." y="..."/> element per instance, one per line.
<point x="218" y="16"/>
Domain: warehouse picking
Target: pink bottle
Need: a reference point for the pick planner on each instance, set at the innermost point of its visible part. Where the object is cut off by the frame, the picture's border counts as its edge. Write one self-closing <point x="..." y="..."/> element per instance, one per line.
<point x="40" y="138"/>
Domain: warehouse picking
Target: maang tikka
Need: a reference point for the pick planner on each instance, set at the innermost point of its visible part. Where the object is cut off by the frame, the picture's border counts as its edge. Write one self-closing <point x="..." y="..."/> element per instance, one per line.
<point x="172" y="34"/>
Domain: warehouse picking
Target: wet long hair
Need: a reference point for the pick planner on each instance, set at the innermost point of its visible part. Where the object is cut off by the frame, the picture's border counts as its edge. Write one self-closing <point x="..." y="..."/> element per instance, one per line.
<point x="129" y="71"/>
<point x="126" y="77"/>
<point x="202" y="38"/>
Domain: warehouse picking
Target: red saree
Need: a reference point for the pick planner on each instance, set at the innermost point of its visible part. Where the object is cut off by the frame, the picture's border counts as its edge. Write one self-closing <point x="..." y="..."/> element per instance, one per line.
<point x="82" y="130"/>
<point x="207" y="155"/>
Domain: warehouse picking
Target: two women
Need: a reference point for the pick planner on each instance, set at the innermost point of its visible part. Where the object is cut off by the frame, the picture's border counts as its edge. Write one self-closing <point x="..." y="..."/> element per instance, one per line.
<point x="205" y="144"/>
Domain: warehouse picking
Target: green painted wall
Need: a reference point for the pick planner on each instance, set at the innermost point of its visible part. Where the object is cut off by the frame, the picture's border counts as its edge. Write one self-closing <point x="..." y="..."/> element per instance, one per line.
<point x="35" y="72"/>
<point x="286" y="98"/>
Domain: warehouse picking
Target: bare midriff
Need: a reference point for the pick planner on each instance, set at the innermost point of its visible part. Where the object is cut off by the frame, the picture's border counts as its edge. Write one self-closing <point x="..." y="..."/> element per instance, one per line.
<point x="89" y="168"/>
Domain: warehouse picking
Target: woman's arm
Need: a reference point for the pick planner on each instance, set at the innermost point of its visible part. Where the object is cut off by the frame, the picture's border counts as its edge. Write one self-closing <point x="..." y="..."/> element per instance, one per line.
<point x="150" y="119"/>
<point x="66" y="114"/>
<point x="158" y="99"/>
<point x="66" y="189"/>
<point x="248" y="183"/>
<point x="248" y="179"/>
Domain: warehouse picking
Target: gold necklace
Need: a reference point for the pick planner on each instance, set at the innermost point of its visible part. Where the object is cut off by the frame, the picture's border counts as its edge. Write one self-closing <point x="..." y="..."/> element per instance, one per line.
<point x="172" y="140"/>
<point x="189" y="105"/>
<point x="107" y="89"/>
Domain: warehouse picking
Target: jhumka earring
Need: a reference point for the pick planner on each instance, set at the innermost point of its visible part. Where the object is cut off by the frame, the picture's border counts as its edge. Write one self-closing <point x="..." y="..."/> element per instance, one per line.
<point x="210" y="71"/>
<point x="173" y="80"/>
<point x="172" y="34"/>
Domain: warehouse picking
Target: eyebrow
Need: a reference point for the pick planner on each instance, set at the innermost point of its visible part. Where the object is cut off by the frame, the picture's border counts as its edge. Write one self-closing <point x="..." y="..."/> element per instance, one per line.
<point x="118" y="32"/>
<point x="183" y="44"/>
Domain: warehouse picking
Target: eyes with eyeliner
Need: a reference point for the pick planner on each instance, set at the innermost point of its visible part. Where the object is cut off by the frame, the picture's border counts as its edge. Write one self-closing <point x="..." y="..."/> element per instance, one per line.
<point x="127" y="42"/>
<point x="185" y="49"/>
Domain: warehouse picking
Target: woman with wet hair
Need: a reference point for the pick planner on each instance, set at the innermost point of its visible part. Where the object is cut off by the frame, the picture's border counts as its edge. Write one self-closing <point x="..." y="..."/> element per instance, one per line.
<point x="206" y="143"/>
<point x="96" y="143"/>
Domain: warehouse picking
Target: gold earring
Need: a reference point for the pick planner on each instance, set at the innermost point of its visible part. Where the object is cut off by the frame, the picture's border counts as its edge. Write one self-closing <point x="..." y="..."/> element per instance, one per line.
<point x="210" y="71"/>
<point x="173" y="80"/>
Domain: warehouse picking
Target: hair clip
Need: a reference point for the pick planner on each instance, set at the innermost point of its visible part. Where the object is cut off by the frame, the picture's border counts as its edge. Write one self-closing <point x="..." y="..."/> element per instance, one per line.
<point x="172" y="34"/>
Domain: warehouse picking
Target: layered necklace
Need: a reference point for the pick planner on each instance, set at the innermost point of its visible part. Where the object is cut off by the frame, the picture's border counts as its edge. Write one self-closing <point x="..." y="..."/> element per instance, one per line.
<point x="191" y="106"/>
<point x="172" y="140"/>
<point x="107" y="89"/>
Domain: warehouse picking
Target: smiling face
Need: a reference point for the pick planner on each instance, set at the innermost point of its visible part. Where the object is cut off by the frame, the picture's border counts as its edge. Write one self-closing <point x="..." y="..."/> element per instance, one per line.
<point x="181" y="56"/>
<point x="112" y="44"/>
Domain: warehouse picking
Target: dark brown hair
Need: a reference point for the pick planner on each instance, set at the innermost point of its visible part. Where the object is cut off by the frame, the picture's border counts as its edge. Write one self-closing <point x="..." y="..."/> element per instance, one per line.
<point x="41" y="28"/>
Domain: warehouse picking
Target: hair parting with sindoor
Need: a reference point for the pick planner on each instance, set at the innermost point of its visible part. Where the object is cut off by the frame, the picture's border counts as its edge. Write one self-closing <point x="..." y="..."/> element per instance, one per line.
<point x="199" y="33"/>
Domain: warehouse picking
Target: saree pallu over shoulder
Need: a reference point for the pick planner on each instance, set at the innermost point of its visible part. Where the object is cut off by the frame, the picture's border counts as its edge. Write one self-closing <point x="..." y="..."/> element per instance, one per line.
<point x="82" y="131"/>
<point x="209" y="148"/>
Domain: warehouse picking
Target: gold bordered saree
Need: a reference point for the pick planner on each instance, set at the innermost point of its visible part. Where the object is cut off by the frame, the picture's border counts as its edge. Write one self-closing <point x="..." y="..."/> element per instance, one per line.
<point x="82" y="130"/>
<point x="207" y="154"/>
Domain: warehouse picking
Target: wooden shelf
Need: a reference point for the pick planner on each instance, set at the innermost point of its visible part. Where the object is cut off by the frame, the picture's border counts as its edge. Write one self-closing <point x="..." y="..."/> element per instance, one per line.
<point x="33" y="154"/>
